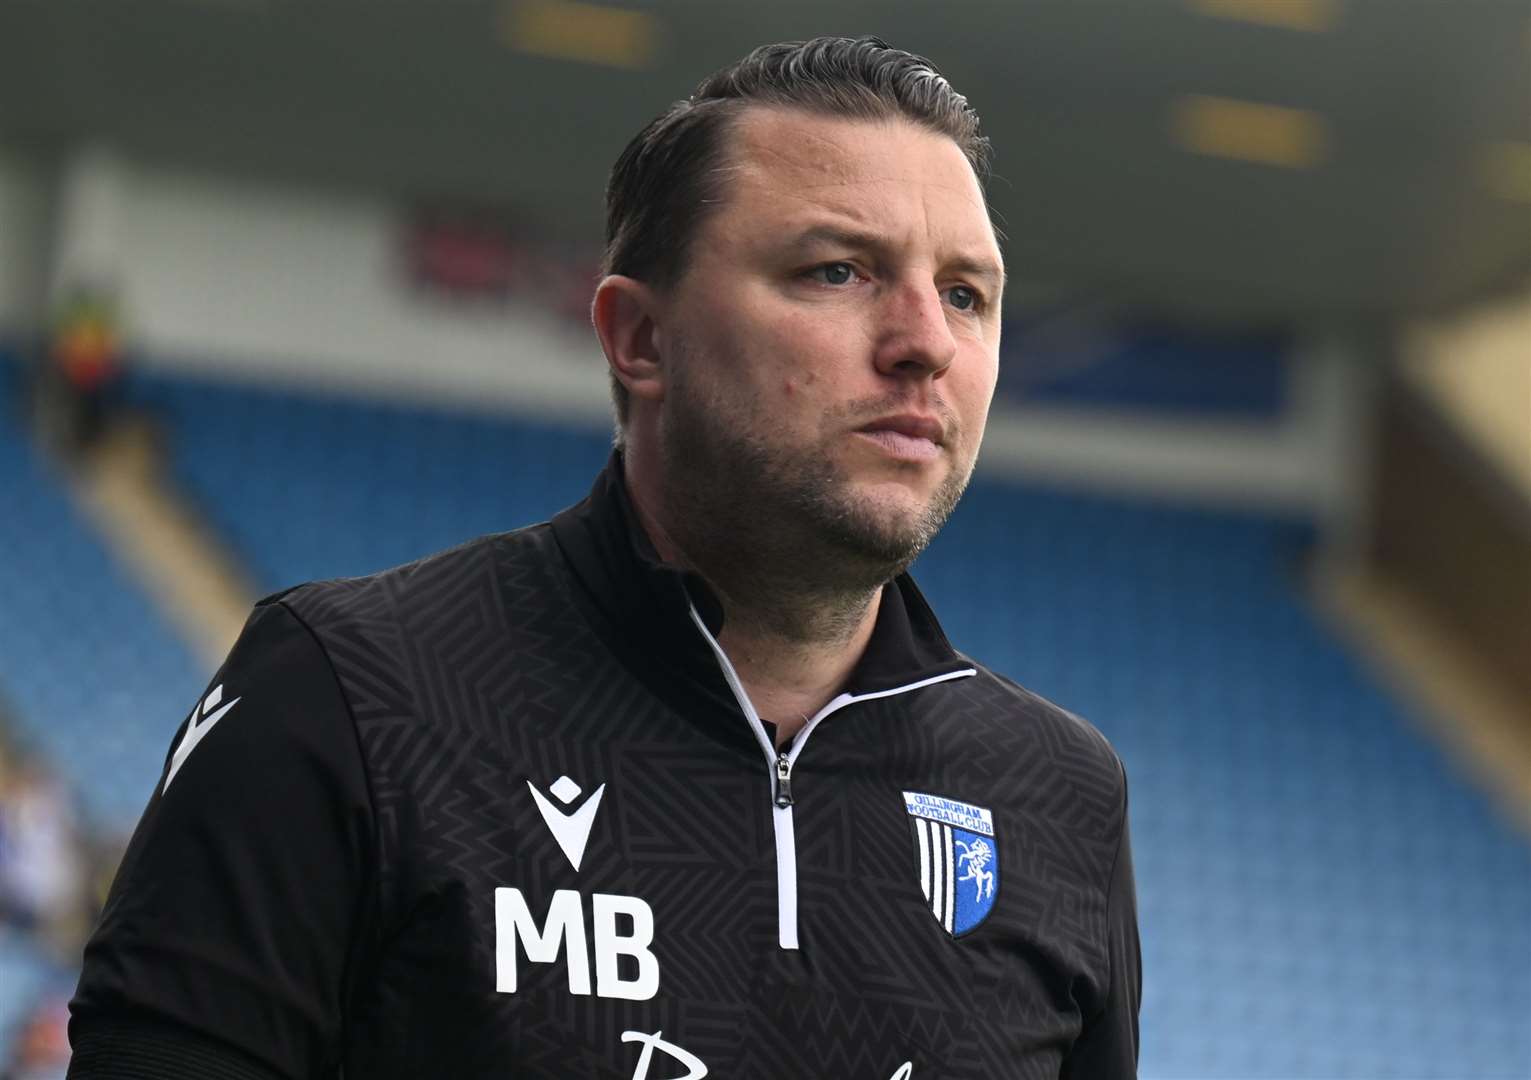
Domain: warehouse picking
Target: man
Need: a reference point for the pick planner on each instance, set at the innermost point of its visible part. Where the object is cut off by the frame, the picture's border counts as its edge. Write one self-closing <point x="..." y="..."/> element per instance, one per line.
<point x="687" y="781"/>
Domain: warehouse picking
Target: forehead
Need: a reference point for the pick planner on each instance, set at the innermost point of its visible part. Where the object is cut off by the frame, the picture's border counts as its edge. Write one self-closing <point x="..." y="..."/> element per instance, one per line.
<point x="785" y="167"/>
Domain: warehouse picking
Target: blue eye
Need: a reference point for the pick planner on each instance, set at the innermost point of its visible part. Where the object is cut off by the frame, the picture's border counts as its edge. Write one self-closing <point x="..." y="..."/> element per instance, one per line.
<point x="835" y="273"/>
<point x="963" y="298"/>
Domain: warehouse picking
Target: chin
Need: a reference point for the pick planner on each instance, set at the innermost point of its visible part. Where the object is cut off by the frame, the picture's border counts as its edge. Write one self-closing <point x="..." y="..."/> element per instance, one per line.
<point x="908" y="494"/>
<point x="889" y="526"/>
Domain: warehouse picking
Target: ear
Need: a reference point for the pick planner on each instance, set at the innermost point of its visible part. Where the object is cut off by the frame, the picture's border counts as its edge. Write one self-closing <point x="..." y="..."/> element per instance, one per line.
<point x="624" y="313"/>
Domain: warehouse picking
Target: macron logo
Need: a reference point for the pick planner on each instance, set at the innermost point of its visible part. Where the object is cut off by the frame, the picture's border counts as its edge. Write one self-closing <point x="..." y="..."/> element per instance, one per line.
<point x="572" y="829"/>
<point x="196" y="731"/>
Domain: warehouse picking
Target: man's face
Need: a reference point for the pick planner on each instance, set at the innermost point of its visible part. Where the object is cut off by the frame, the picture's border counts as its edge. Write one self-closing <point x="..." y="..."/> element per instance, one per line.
<point x="833" y="344"/>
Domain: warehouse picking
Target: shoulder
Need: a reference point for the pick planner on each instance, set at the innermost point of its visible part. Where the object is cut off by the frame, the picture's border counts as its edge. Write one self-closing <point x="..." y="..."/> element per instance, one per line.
<point x="394" y="635"/>
<point x="435" y="588"/>
<point x="235" y="901"/>
<point x="273" y="702"/>
<point x="1036" y="731"/>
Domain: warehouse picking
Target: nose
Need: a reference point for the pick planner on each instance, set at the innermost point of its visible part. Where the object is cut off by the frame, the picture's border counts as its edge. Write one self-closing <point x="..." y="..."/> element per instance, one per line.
<point x="914" y="339"/>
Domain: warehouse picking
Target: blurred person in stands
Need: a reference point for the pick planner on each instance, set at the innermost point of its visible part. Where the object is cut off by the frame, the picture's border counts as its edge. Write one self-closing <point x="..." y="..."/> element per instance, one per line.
<point x="687" y="781"/>
<point x="39" y="1046"/>
<point x="41" y="869"/>
<point x="78" y="375"/>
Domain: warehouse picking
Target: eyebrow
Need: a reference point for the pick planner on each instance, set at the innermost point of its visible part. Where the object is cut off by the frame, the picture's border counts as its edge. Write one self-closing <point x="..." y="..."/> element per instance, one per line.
<point x="840" y="236"/>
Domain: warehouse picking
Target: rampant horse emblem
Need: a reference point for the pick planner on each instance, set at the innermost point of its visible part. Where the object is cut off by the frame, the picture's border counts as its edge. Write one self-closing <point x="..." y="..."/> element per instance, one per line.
<point x="975" y="858"/>
<point x="957" y="858"/>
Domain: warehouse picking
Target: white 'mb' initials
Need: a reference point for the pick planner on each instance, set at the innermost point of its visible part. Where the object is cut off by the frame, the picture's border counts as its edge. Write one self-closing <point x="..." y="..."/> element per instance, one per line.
<point x="563" y="930"/>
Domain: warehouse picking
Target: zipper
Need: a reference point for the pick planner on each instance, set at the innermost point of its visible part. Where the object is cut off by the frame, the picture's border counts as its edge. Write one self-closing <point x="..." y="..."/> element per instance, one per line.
<point x="783" y="779"/>
<point x="780" y="762"/>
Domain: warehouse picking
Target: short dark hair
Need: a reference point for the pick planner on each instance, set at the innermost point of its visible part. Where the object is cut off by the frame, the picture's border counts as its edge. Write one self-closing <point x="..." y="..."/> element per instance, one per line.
<point x="668" y="177"/>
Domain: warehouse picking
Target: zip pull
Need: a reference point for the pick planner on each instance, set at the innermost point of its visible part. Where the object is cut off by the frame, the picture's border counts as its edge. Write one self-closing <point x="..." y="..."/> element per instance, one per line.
<point x="783" y="780"/>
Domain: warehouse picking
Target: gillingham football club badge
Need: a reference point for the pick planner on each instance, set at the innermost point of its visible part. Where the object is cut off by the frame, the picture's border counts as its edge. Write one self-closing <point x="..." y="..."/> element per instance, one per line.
<point x="956" y="857"/>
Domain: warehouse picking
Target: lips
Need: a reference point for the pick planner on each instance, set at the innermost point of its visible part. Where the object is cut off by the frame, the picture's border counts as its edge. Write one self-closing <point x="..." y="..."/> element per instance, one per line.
<point x="910" y="438"/>
<point x="911" y="425"/>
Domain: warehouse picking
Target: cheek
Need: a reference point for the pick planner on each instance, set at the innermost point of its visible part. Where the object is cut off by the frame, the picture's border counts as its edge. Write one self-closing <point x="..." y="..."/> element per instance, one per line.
<point x="798" y="352"/>
<point x="972" y="393"/>
<point x="799" y="384"/>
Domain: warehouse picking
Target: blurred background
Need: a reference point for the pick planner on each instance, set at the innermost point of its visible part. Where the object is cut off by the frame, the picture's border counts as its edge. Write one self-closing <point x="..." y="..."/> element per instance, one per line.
<point x="297" y="290"/>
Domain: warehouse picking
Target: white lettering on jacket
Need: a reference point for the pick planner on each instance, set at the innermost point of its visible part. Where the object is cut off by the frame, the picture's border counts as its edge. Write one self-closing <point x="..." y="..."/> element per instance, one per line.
<point x="563" y="931"/>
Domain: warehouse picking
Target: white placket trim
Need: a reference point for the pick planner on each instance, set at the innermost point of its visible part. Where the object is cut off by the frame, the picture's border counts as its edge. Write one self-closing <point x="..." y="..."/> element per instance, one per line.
<point x="781" y="816"/>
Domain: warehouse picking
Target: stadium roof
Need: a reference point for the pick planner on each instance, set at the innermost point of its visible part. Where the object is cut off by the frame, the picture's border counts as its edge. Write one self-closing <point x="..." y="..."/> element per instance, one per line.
<point x="1266" y="159"/>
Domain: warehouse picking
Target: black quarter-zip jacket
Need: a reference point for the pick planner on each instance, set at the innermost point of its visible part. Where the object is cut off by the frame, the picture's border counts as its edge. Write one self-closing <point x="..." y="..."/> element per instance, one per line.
<point x="506" y="812"/>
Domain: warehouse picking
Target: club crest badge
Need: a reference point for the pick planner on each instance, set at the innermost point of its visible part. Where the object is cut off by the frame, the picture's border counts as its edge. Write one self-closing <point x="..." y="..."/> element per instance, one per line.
<point x="957" y="859"/>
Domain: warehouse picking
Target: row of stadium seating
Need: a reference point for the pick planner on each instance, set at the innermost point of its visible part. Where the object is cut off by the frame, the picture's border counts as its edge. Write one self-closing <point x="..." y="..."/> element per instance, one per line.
<point x="96" y="676"/>
<point x="1321" y="895"/>
<point x="1071" y="359"/>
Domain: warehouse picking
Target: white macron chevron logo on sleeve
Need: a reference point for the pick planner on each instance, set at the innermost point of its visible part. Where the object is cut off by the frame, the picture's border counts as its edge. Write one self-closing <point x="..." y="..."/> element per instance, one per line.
<point x="196" y="731"/>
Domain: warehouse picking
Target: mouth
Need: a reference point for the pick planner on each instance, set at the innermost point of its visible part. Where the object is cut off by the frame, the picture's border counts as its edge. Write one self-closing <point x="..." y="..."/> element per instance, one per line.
<point x="907" y="436"/>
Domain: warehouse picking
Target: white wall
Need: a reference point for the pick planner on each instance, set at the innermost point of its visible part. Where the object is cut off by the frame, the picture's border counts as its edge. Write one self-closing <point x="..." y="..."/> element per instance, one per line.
<point x="306" y="287"/>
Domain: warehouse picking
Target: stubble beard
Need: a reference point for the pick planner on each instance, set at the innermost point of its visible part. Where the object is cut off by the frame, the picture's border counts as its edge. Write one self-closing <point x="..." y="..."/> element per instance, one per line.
<point x="759" y="515"/>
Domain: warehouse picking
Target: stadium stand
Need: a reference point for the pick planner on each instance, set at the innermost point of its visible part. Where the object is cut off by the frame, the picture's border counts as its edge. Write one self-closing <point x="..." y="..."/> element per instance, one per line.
<point x="1075" y="360"/>
<point x="311" y="486"/>
<point x="1321" y="894"/>
<point x="93" y="680"/>
<point x="98" y="680"/>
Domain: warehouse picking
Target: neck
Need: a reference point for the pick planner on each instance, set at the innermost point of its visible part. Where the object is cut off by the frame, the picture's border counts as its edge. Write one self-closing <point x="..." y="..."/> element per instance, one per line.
<point x="793" y="637"/>
<point x="793" y="657"/>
